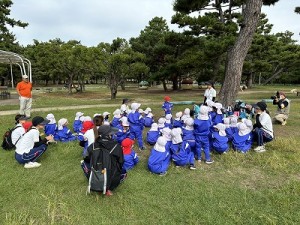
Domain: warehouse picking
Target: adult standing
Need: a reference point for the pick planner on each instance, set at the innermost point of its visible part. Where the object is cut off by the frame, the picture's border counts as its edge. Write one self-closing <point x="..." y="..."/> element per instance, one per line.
<point x="24" y="89"/>
<point x="210" y="93"/>
<point x="263" y="128"/>
<point x="283" y="108"/>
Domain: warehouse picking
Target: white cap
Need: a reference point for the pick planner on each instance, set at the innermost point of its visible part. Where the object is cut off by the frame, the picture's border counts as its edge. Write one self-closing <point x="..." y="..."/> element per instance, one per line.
<point x="218" y="107"/>
<point x="117" y="112"/>
<point x="78" y="115"/>
<point x="176" y="135"/>
<point x="160" y="145"/>
<point x="51" y="117"/>
<point x="150" y="115"/>
<point x="135" y="106"/>
<point x="166" y="132"/>
<point x="187" y="111"/>
<point x="106" y="114"/>
<point x="221" y="128"/>
<point x="141" y="111"/>
<point x="24" y="76"/>
<point x="147" y="110"/>
<point x="203" y="113"/>
<point x="168" y="116"/>
<point x="96" y="114"/>
<point x="161" y="122"/>
<point x="242" y="129"/>
<point x="124" y="118"/>
<point x="210" y="103"/>
<point x="61" y="123"/>
<point x="87" y="118"/>
<point x="178" y="114"/>
<point x="154" y="127"/>
<point x="125" y="123"/>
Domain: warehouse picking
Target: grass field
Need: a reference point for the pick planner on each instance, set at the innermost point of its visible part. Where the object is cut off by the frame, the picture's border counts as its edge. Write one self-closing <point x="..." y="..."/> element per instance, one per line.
<point x="237" y="189"/>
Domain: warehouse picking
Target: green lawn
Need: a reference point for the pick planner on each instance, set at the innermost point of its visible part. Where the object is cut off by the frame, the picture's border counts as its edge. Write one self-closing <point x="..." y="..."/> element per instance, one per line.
<point x="237" y="189"/>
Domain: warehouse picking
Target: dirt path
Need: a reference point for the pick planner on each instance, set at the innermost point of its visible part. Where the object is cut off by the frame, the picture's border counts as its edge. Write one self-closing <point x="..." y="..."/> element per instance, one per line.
<point x="49" y="109"/>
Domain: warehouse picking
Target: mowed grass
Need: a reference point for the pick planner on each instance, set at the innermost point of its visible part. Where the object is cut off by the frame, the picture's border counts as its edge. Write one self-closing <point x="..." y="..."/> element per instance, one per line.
<point x="236" y="189"/>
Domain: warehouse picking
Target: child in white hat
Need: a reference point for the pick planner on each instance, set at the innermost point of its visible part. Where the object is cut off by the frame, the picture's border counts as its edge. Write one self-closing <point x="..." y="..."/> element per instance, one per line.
<point x="77" y="124"/>
<point x="242" y="140"/>
<point x="181" y="151"/>
<point x="159" y="159"/>
<point x="220" y="139"/>
<point x="152" y="134"/>
<point x="63" y="132"/>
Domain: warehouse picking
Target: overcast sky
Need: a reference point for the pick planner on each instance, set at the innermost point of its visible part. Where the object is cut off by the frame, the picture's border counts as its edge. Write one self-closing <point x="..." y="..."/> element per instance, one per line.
<point x="95" y="21"/>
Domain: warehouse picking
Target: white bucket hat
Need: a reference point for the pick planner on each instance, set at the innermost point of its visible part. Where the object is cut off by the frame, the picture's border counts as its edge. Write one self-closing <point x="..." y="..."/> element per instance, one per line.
<point x="242" y="129"/>
<point x="51" y="118"/>
<point x="160" y="145"/>
<point x="203" y="113"/>
<point x="61" y="123"/>
<point x="135" y="106"/>
<point x="176" y="135"/>
<point x="221" y="128"/>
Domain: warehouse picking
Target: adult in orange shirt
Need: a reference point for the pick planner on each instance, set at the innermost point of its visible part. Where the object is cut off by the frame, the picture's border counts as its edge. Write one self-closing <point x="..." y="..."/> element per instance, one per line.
<point x="24" y="89"/>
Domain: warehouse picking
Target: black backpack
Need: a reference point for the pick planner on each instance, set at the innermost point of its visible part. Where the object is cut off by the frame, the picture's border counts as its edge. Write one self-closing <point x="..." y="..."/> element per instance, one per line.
<point x="100" y="174"/>
<point x="7" y="142"/>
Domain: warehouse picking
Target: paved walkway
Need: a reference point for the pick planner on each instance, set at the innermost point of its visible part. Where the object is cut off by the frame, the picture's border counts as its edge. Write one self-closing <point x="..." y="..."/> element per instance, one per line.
<point x="49" y="109"/>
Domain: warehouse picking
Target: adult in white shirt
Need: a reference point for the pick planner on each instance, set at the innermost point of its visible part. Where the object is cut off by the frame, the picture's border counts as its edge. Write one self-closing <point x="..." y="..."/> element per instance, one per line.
<point x="19" y="130"/>
<point x="263" y="128"/>
<point x="210" y="93"/>
<point x="31" y="146"/>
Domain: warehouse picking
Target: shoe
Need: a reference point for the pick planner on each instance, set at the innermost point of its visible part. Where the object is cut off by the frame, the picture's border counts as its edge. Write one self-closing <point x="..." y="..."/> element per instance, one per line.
<point x="283" y="123"/>
<point x="259" y="148"/>
<point x="209" y="162"/>
<point x="31" y="165"/>
<point x="199" y="160"/>
<point x="108" y="193"/>
<point x="192" y="167"/>
<point x="177" y="166"/>
<point x="162" y="174"/>
<point x="224" y="152"/>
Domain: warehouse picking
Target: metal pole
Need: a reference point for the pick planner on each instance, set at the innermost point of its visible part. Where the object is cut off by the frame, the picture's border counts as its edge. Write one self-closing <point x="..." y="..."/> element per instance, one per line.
<point x="12" y="77"/>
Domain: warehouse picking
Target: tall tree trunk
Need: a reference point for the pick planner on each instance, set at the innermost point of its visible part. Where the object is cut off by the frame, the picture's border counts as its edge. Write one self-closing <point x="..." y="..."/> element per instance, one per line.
<point x="165" y="85"/>
<point x="236" y="55"/>
<point x="175" y="82"/>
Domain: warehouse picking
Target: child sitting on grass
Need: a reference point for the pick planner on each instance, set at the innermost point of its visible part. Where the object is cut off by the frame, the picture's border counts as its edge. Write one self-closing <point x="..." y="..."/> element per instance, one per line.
<point x="159" y="159"/>
<point x="177" y="122"/>
<point x="181" y="151"/>
<point x="219" y="139"/>
<point x="77" y="124"/>
<point x="51" y="127"/>
<point x="130" y="157"/>
<point x="152" y="134"/>
<point x="63" y="133"/>
<point x="148" y="121"/>
<point x="241" y="140"/>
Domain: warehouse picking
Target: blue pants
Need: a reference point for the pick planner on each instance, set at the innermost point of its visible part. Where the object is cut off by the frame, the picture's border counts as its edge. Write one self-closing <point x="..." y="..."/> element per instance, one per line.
<point x="31" y="156"/>
<point x="190" y="160"/>
<point x="136" y="133"/>
<point x="261" y="136"/>
<point x="202" y="142"/>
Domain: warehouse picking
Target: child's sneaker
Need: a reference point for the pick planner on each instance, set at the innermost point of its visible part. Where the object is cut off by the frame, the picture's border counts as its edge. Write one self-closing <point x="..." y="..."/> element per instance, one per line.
<point x="31" y="165"/>
<point x="260" y="149"/>
<point x="108" y="193"/>
<point x="209" y="161"/>
<point x="192" y="167"/>
<point x="162" y="174"/>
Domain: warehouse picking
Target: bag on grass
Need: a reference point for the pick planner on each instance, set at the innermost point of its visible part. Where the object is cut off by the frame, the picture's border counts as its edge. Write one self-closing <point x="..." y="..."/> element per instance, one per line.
<point x="7" y="142"/>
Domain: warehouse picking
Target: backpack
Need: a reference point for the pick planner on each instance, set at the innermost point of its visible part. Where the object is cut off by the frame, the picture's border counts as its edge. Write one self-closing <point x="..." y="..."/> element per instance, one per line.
<point x="7" y="142"/>
<point x="100" y="173"/>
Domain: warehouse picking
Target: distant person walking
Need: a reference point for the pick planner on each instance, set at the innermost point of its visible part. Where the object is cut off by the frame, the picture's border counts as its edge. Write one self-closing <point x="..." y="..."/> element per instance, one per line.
<point x="24" y="89"/>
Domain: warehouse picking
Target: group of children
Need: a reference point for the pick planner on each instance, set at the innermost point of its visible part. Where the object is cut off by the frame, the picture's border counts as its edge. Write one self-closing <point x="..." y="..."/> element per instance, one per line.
<point x="182" y="138"/>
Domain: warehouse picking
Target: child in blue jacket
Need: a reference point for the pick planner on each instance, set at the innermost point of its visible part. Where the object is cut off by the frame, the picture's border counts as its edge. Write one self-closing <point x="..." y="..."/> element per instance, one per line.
<point x="177" y="122"/>
<point x="219" y="139"/>
<point x="202" y="132"/>
<point x="169" y="122"/>
<point x="148" y="120"/>
<point x="219" y="114"/>
<point x="166" y="133"/>
<point x="228" y="130"/>
<point x="181" y="151"/>
<point x="161" y="123"/>
<point x="167" y="105"/>
<point x="116" y="119"/>
<point x="136" y="125"/>
<point x="159" y="159"/>
<point x="51" y="127"/>
<point x="130" y="157"/>
<point x="63" y="133"/>
<point x="152" y="134"/>
<point x="123" y="130"/>
<point x="242" y="140"/>
<point x="188" y="133"/>
<point x="77" y="124"/>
